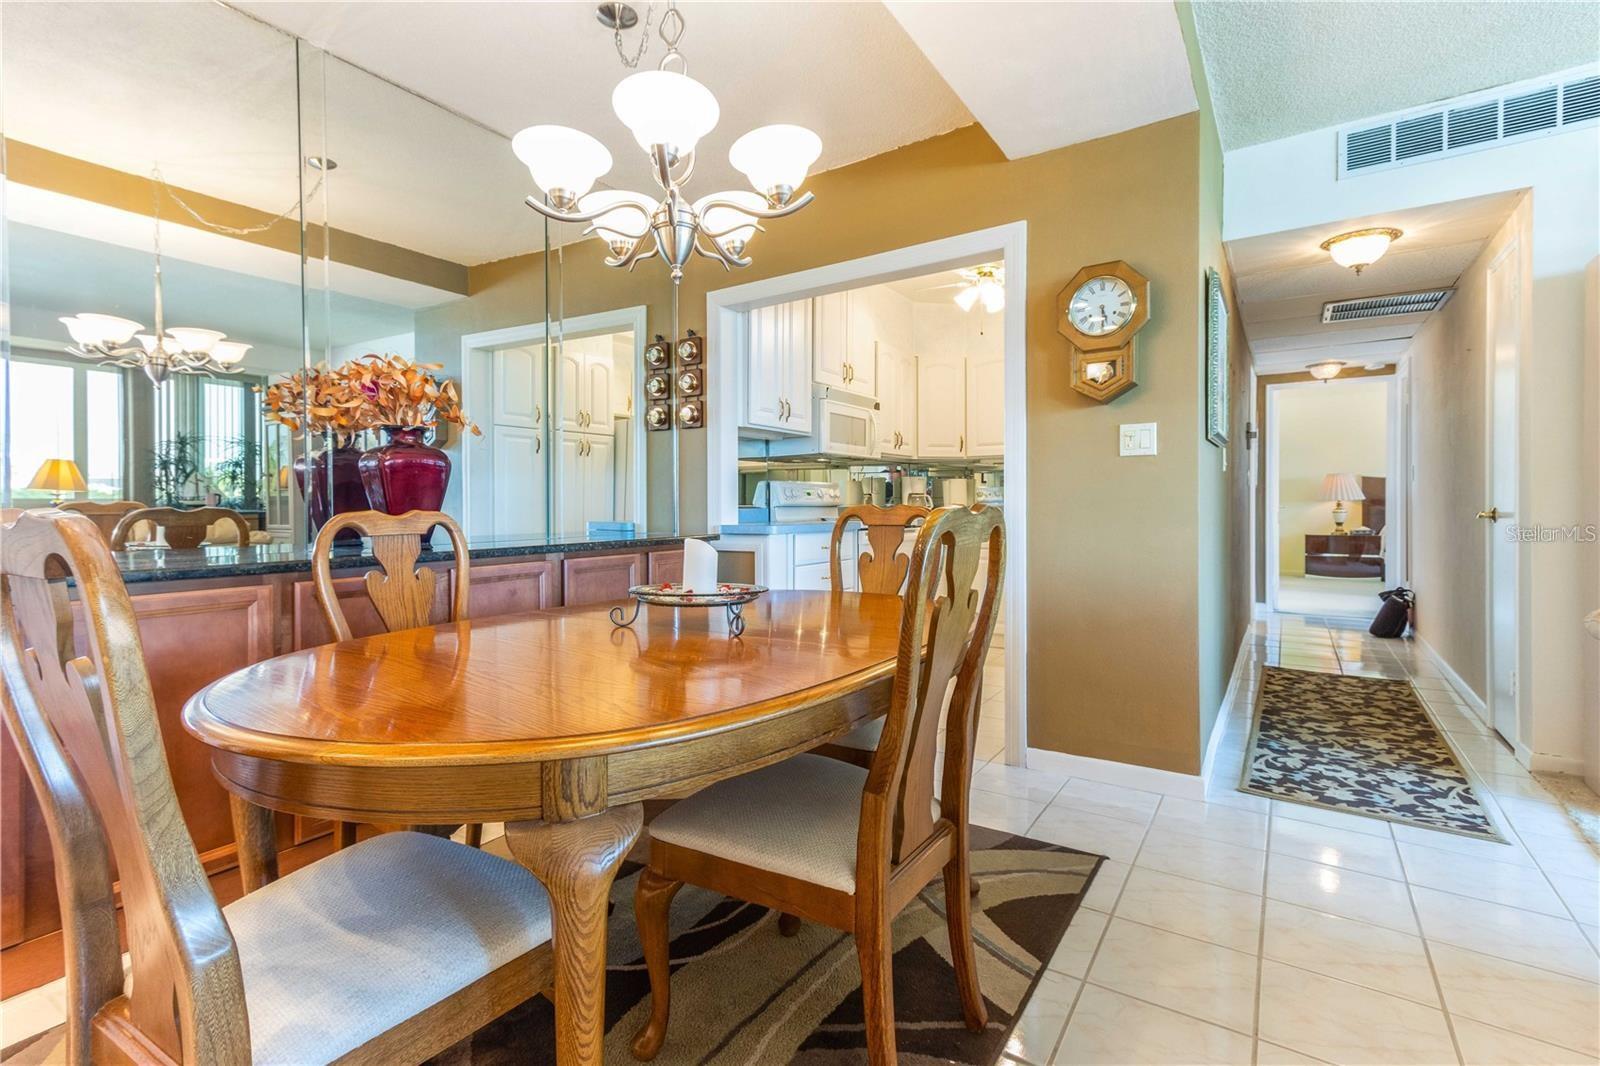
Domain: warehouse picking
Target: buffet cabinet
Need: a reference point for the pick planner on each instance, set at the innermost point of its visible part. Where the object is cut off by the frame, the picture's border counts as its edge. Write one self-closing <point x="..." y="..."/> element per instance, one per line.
<point x="197" y="631"/>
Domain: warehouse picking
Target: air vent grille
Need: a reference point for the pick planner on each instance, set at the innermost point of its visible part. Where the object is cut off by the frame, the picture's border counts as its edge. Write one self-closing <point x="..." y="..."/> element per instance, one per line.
<point x="1402" y="303"/>
<point x="1471" y="123"/>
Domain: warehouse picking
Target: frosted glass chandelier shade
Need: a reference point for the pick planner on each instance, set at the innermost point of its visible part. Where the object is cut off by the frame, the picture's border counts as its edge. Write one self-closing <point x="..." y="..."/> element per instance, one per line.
<point x="620" y="226"/>
<point x="565" y="163"/>
<point x="229" y="353"/>
<point x="1326" y="370"/>
<point x="732" y="227"/>
<point x="1360" y="248"/>
<point x="776" y="158"/>
<point x="666" y="108"/>
<point x="195" y="340"/>
<point x="100" y="330"/>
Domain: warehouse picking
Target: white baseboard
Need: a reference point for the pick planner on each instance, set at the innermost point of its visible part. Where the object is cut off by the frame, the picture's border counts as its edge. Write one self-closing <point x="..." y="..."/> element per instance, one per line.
<point x="1219" y="727"/>
<point x="1129" y="775"/>
<point x="1462" y="688"/>
<point x="1552" y="764"/>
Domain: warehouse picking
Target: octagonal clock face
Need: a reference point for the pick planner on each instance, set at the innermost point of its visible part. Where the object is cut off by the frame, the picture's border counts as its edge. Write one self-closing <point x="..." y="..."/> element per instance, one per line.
<point x="1102" y="305"/>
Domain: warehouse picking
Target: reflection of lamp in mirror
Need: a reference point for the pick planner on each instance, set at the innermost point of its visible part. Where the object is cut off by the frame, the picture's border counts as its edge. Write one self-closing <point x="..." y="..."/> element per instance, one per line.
<point x="58" y="477"/>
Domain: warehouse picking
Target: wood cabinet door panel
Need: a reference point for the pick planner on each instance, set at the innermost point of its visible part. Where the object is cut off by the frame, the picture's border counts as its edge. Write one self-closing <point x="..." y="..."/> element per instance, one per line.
<point x="601" y="578"/>
<point x="666" y="566"/>
<point x="508" y="588"/>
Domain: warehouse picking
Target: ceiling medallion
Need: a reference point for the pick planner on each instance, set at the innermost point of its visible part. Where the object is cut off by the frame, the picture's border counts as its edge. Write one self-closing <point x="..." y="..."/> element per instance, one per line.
<point x="668" y="112"/>
<point x="1360" y="248"/>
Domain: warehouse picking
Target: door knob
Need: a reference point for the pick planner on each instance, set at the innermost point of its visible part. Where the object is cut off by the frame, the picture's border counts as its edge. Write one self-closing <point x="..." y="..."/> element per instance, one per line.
<point x="1492" y="514"/>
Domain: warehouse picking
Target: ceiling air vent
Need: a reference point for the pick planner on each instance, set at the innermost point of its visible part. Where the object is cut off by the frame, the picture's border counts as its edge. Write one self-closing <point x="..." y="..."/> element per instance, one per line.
<point x="1471" y="123"/>
<point x="1401" y="303"/>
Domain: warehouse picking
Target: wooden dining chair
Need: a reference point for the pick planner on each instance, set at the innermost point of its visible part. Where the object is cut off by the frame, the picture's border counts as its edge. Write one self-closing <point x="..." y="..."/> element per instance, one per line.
<point x="834" y="843"/>
<point x="106" y="515"/>
<point x="389" y="951"/>
<point x="401" y="592"/>
<point x="183" y="528"/>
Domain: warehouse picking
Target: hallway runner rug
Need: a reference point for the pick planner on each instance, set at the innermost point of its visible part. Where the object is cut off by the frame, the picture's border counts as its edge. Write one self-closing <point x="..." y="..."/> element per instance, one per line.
<point x="742" y="993"/>
<point x="1361" y="745"/>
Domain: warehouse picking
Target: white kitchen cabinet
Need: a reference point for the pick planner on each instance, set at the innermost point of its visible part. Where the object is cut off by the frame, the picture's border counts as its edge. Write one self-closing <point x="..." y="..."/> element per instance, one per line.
<point x="830" y="332"/>
<point x="778" y="369"/>
<point x="897" y="402"/>
<point x="599" y="480"/>
<point x="986" y="410"/>
<point x="864" y="334"/>
<point x="941" y="405"/>
<point x="519" y="481"/>
<point x="518" y="387"/>
<point x="584" y="386"/>
<point x="585" y="480"/>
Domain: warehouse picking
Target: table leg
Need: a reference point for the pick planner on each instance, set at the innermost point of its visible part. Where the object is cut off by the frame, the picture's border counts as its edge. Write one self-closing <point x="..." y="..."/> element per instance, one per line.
<point x="255" y="833"/>
<point x="576" y="862"/>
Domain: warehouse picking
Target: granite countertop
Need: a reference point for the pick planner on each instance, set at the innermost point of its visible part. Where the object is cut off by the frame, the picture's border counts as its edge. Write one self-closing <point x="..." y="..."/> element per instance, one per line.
<point x="175" y="564"/>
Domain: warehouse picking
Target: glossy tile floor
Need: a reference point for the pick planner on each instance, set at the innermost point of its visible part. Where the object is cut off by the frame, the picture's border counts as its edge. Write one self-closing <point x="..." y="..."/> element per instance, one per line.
<point x="1238" y="929"/>
<point x="1354" y="596"/>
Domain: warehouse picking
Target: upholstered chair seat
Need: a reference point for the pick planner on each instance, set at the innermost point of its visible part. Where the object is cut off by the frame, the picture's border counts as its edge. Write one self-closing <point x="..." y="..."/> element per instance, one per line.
<point x="799" y="817"/>
<point x="349" y="947"/>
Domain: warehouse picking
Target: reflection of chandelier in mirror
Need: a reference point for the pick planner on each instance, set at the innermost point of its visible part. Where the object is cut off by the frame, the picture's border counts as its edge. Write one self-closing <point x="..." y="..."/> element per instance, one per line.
<point x="178" y="349"/>
<point x="668" y="112"/>
<point x="985" y="283"/>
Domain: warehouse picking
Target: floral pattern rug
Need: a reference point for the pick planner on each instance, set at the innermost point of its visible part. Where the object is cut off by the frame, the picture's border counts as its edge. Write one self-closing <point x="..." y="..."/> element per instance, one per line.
<point x="1362" y="745"/>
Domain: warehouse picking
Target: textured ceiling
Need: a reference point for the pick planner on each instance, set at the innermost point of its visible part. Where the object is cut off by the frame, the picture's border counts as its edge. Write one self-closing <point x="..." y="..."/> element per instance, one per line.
<point x="1126" y="66"/>
<point x="1277" y="69"/>
<point x="1283" y="279"/>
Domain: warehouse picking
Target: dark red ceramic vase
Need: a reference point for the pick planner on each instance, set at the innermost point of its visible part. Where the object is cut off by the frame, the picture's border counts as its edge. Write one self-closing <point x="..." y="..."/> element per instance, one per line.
<point x="405" y="474"/>
<point x="330" y="483"/>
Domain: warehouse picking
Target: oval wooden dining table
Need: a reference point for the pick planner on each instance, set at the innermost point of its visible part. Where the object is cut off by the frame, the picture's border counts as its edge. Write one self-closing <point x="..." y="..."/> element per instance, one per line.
<point x="556" y="723"/>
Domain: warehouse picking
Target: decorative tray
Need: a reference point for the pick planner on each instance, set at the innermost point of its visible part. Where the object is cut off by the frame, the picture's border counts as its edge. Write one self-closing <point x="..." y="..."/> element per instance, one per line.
<point x="732" y="595"/>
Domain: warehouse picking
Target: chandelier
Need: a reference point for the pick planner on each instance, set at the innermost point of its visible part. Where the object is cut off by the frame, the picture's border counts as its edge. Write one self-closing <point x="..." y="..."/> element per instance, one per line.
<point x="668" y="112"/>
<point x="178" y="349"/>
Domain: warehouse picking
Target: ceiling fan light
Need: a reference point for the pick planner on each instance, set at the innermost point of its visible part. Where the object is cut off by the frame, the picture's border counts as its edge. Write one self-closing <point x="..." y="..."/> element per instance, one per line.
<point x="195" y="340"/>
<point x="993" y="295"/>
<point x="732" y="227"/>
<point x="776" y="159"/>
<point x="229" y="353"/>
<point x="967" y="297"/>
<point x="564" y="162"/>
<point x="1360" y="248"/>
<point x="663" y="107"/>
<point x="1326" y="370"/>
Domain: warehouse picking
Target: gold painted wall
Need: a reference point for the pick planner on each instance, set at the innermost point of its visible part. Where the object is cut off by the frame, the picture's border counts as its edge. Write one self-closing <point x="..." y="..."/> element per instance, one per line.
<point x="1114" y="594"/>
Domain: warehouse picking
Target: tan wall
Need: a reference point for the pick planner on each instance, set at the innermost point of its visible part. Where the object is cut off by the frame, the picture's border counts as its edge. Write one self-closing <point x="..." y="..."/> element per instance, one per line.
<point x="1449" y="431"/>
<point x="1338" y="428"/>
<point x="1113" y="570"/>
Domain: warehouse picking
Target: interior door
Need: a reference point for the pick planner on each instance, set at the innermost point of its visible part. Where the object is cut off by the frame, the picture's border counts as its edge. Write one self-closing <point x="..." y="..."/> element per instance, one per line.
<point x="1504" y="355"/>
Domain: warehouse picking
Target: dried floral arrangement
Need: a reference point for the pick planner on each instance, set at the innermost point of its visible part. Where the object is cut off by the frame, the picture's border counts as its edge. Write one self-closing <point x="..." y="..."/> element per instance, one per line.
<point x="364" y="394"/>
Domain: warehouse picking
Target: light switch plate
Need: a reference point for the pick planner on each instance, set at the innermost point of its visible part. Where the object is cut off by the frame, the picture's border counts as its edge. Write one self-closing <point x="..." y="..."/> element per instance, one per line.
<point x="1137" y="438"/>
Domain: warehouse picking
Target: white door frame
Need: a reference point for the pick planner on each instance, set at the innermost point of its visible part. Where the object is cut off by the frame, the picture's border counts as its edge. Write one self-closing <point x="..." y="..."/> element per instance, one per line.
<point x="725" y="344"/>
<point x="1495" y="495"/>
<point x="613" y="321"/>
<point x="1395" y="562"/>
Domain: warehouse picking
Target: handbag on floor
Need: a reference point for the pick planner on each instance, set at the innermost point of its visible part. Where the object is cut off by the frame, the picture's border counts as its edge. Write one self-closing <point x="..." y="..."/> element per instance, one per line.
<point x="1394" y="614"/>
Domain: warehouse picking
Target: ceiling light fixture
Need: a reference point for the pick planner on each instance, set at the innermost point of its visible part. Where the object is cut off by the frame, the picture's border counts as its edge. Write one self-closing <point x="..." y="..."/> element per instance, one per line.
<point x="668" y="113"/>
<point x="178" y="349"/>
<point x="1326" y="370"/>
<point x="985" y="283"/>
<point x="1360" y="248"/>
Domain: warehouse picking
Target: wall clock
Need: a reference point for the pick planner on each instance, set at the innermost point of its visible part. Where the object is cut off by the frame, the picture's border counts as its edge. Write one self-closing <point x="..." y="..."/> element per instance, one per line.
<point x="1099" y="312"/>
<point x="1216" y="360"/>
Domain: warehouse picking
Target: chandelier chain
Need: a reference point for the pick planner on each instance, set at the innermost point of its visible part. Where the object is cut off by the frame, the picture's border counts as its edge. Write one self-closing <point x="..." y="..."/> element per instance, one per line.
<point x="644" y="40"/>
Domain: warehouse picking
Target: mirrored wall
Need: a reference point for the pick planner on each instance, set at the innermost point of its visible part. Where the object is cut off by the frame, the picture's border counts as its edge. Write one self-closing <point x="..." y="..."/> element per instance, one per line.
<point x="266" y="214"/>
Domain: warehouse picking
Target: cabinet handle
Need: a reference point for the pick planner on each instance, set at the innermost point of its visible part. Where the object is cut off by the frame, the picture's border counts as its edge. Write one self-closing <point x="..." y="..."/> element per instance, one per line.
<point x="963" y="445"/>
<point x="537" y="414"/>
<point x="536" y="446"/>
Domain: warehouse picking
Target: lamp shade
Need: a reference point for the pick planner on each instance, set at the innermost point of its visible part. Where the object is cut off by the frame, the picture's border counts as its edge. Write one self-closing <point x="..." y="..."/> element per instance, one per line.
<point x="229" y="352"/>
<point x="1360" y="248"/>
<point x="107" y="331"/>
<point x="1326" y="370"/>
<point x="1342" y="487"/>
<point x="200" y="341"/>
<point x="731" y="227"/>
<point x="619" y="225"/>
<point x="564" y="162"/>
<point x="667" y="108"/>
<point x="58" y="475"/>
<point x="775" y="158"/>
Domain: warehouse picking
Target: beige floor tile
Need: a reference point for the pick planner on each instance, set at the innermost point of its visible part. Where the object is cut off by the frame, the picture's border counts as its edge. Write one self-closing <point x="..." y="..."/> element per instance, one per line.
<point x="1268" y="1054"/>
<point x="1107" y="885"/>
<point x="1040" y="786"/>
<point x="1355" y="823"/>
<point x="1112" y="801"/>
<point x="1225" y="790"/>
<point x="1204" y="911"/>
<point x="1346" y="893"/>
<point x="1078" y="944"/>
<point x="1111" y="1029"/>
<point x="1567" y="854"/>
<point x="1506" y="932"/>
<point x="1528" y="816"/>
<point x="1094" y="833"/>
<point x="1492" y="850"/>
<point x="1040" y="1024"/>
<point x="1581" y="896"/>
<point x="1369" y="955"/>
<point x="1205" y="981"/>
<point x="1212" y="861"/>
<point x="1213" y="821"/>
<point x="1336" y="847"/>
<point x="1498" y="882"/>
<point x="1483" y="1045"/>
<point x="1345" y="1023"/>
<point x="1516" y="785"/>
<point x="32" y="1012"/>
<point x="1533" y="1002"/>
<point x="1013" y="814"/>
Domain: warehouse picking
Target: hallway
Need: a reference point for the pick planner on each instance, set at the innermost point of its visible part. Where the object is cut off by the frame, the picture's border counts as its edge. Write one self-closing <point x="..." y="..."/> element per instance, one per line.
<point x="1239" y="929"/>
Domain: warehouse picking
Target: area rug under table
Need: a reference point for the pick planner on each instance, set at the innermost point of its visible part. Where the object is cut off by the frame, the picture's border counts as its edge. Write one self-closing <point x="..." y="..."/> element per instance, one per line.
<point x="1362" y="745"/>
<point x="742" y="993"/>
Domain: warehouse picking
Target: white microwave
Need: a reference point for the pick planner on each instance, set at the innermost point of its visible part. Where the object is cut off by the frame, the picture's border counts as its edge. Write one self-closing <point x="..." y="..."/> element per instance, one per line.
<point x="845" y="429"/>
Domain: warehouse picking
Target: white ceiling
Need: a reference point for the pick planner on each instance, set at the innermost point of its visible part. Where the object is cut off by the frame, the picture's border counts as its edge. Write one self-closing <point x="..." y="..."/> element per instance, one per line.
<point x="1045" y="75"/>
<point x="1283" y="279"/>
<point x="1277" y="69"/>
